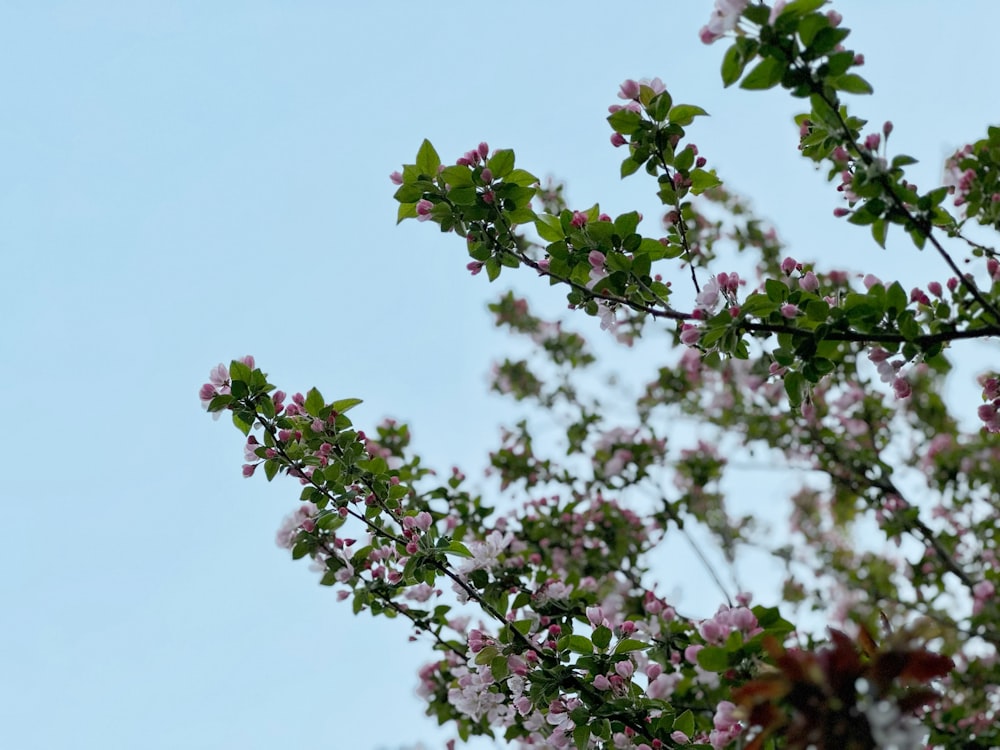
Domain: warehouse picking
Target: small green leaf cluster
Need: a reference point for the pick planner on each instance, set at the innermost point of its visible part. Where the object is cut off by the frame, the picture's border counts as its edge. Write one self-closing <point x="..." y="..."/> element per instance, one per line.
<point x="481" y="200"/>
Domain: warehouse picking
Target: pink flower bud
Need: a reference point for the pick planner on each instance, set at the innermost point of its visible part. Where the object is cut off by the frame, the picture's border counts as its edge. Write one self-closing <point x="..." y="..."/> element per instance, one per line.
<point x="596" y="616"/>
<point x="690" y="335"/>
<point x="396" y="178"/>
<point x="617" y="140"/>
<point x="486" y="174"/>
<point x="809" y="282"/>
<point x="625" y="669"/>
<point x="691" y="653"/>
<point x="789" y="310"/>
<point x="424" y="207"/>
<point x="788" y="265"/>
<point x="871" y="280"/>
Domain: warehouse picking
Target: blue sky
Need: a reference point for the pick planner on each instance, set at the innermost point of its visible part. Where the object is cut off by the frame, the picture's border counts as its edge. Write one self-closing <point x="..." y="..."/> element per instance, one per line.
<point x="187" y="182"/>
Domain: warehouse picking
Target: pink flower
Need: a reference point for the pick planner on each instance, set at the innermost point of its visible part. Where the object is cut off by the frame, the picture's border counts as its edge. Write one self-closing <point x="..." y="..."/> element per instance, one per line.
<point x="474" y="267"/>
<point x="579" y="219"/>
<point x="424" y="207"/>
<point x="617" y="139"/>
<point x="218" y="385"/>
<point x="723" y="19"/>
<point x="779" y="6"/>
<point x="789" y="310"/>
<point x="708" y="297"/>
<point x="788" y="265"/>
<point x="981" y="593"/>
<point x="629" y="89"/>
<point x="396" y="178"/>
<point x="901" y="387"/>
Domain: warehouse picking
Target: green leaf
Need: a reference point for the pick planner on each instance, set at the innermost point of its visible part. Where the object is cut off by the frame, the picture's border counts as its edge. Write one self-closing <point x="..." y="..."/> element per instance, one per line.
<point x="409" y="193"/>
<point x="794" y="386"/>
<point x="629" y="166"/>
<point x="455" y="176"/>
<point x="618" y="262"/>
<point x="713" y="659"/>
<point x="501" y="163"/>
<point x="406" y="211"/>
<point x="549" y="228"/>
<point x="220" y="402"/>
<point x="732" y="66"/>
<point x="428" y="160"/>
<point x="879" y="230"/>
<point x="581" y="736"/>
<point x="345" y="404"/>
<point x="498" y="667"/>
<point x="895" y="299"/>
<point x="702" y="180"/>
<point x="766" y="75"/>
<point x="492" y="268"/>
<point x="685" y="723"/>
<point x="314" y="402"/>
<point x="578" y="643"/>
<point x="684" y="160"/>
<point x="239" y="371"/>
<point x="486" y="655"/>
<point x="659" y="108"/>
<point x="810" y="26"/>
<point x="851" y="83"/>
<point x="463" y="196"/>
<point x="625" y="121"/>
<point x="684" y="114"/>
<point x="602" y="637"/>
<point x="626" y="224"/>
<point x="801" y="7"/>
<point x="457" y="548"/>
<point x="243" y="422"/>
<point x="630" y="644"/>
<point x="521" y="177"/>
<point x="776" y="291"/>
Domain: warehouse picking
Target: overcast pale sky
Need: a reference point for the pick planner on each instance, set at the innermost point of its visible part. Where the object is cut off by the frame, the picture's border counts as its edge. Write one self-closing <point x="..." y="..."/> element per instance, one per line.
<point x="186" y="182"/>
